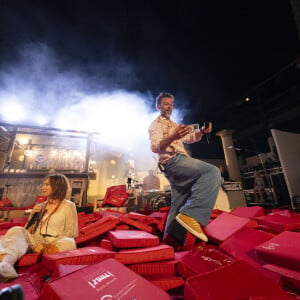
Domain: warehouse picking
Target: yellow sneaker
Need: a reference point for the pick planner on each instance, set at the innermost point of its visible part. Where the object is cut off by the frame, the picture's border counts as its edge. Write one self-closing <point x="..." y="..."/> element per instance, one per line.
<point x="192" y="226"/>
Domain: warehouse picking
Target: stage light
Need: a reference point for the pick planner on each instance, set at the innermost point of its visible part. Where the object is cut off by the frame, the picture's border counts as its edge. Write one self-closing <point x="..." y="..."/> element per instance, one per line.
<point x="12" y="110"/>
<point x="23" y="140"/>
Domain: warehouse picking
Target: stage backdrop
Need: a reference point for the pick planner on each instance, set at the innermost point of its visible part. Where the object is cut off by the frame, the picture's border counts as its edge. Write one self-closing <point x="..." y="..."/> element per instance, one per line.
<point x="288" y="148"/>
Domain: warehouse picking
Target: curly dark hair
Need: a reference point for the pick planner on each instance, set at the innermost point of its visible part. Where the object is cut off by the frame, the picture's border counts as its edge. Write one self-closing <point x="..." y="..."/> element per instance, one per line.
<point x="60" y="186"/>
<point x="162" y="95"/>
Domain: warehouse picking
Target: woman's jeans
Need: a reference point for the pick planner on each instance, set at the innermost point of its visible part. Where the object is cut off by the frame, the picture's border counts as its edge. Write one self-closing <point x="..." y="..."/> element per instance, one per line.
<point x="194" y="187"/>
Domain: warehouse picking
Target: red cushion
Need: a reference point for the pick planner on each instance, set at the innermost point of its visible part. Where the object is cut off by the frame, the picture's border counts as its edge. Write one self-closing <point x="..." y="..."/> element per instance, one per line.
<point x="166" y="282"/>
<point x="248" y="212"/>
<point x="95" y="232"/>
<point x="94" y="226"/>
<point x="224" y="226"/>
<point x="19" y="221"/>
<point x="238" y="280"/>
<point x="5" y="202"/>
<point x="154" y="268"/>
<point x="200" y="260"/>
<point x="162" y="218"/>
<point x="279" y="223"/>
<point x="132" y="239"/>
<point x="29" y="291"/>
<point x="282" y="250"/>
<point x="115" y="195"/>
<point x="239" y="244"/>
<point x="62" y="270"/>
<point x="135" y="223"/>
<point x="105" y="280"/>
<point x="242" y="245"/>
<point x="122" y="227"/>
<point x="106" y="244"/>
<point x="290" y="278"/>
<point x="81" y="256"/>
<point x="29" y="259"/>
<point x="134" y="256"/>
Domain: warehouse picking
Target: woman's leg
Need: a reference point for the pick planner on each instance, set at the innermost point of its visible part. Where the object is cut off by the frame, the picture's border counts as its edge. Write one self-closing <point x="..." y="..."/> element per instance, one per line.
<point x="13" y="245"/>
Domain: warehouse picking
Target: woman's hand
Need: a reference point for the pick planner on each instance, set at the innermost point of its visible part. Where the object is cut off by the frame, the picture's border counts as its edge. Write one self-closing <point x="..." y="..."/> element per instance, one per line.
<point x="36" y="208"/>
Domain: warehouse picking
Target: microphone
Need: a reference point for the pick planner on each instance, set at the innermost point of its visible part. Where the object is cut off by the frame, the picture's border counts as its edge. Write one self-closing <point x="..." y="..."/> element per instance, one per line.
<point x="33" y="220"/>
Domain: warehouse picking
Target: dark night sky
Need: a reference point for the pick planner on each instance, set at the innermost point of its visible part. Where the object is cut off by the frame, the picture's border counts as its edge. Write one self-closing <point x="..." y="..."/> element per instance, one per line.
<point x="207" y="53"/>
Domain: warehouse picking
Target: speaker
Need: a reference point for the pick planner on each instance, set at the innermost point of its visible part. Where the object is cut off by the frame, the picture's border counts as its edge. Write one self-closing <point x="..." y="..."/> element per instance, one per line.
<point x="236" y="199"/>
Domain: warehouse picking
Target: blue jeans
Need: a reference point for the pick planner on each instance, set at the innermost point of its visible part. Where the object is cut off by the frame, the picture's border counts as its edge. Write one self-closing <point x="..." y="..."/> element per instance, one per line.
<point x="194" y="187"/>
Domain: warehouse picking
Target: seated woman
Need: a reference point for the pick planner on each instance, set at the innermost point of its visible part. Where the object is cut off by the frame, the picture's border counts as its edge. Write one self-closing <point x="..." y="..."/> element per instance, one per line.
<point x="51" y="227"/>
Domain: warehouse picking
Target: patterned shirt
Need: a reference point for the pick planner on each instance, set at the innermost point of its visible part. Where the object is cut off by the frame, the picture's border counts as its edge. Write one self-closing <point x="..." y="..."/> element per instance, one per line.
<point x="161" y="128"/>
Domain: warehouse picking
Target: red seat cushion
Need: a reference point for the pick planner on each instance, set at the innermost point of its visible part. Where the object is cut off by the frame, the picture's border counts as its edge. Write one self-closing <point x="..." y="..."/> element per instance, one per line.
<point x="239" y="244"/>
<point x="136" y="223"/>
<point x="108" y="279"/>
<point x="225" y="225"/>
<point x="29" y="259"/>
<point x="81" y="256"/>
<point x="238" y="280"/>
<point x="133" y="239"/>
<point x="93" y="231"/>
<point x="283" y="250"/>
<point x="62" y="270"/>
<point x="279" y="223"/>
<point x="155" y="268"/>
<point x="248" y="212"/>
<point x="133" y="256"/>
<point x="200" y="260"/>
<point x="290" y="279"/>
<point x="166" y="282"/>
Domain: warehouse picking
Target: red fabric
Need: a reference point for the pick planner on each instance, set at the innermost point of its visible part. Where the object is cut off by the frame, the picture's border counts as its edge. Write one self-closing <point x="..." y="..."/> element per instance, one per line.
<point x="166" y="282"/>
<point x="132" y="239"/>
<point x="29" y="259"/>
<point x="279" y="223"/>
<point x="282" y="250"/>
<point x="200" y="260"/>
<point x="158" y="253"/>
<point x="100" y="280"/>
<point x="248" y="212"/>
<point x="238" y="280"/>
<point x="224" y="226"/>
<point x="81" y="256"/>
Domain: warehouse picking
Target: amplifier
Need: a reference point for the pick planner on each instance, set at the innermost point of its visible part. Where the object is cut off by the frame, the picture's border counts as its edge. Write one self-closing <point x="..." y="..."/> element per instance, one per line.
<point x="232" y="185"/>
